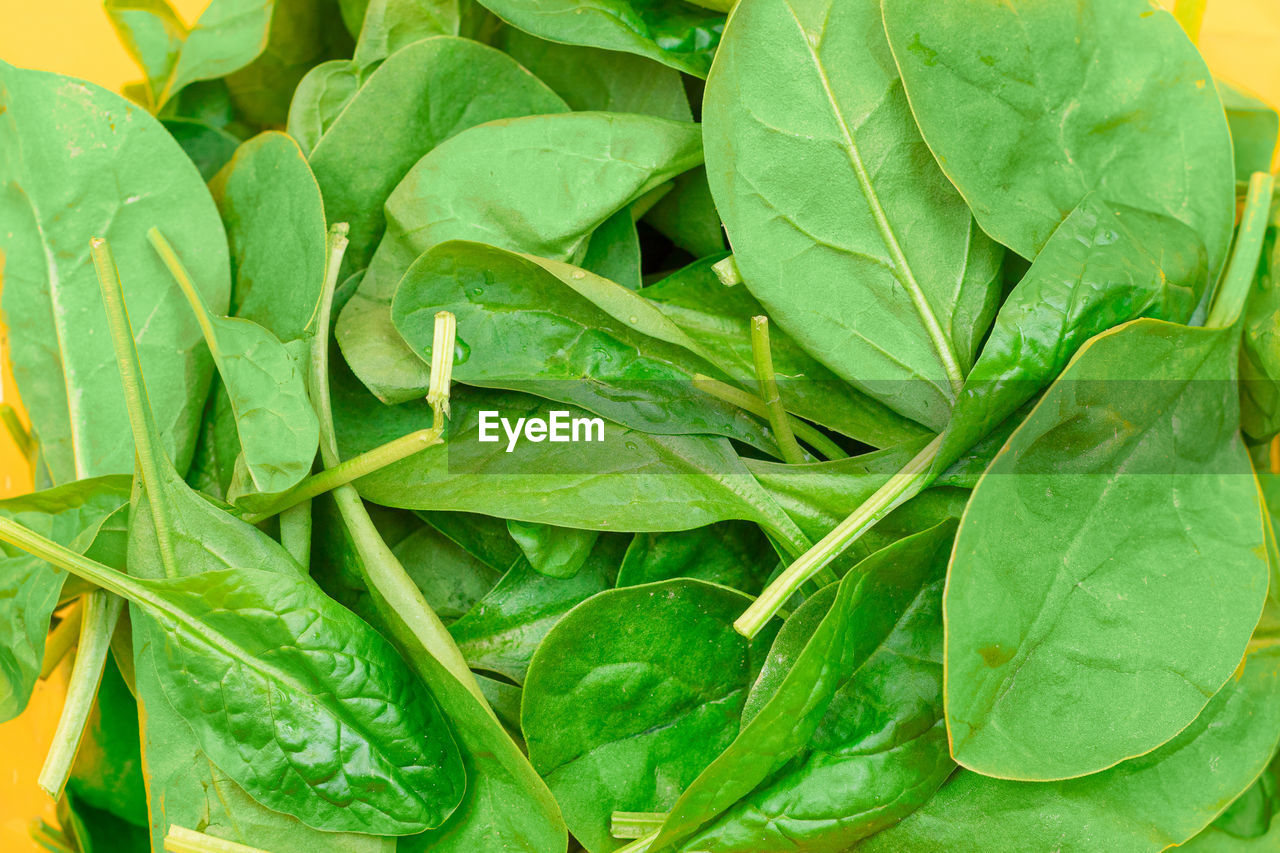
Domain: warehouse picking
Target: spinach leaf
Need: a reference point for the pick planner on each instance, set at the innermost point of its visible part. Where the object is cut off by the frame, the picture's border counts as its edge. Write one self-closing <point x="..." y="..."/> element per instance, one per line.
<point x="1101" y="581"/>
<point x="319" y="99"/>
<point x="1148" y="803"/>
<point x="729" y="553"/>
<point x="557" y="552"/>
<point x="555" y="179"/>
<point x="435" y="89"/>
<point x="718" y="319"/>
<point x="557" y="331"/>
<point x="72" y="515"/>
<point x="877" y="599"/>
<point x="210" y="148"/>
<point x="500" y="633"/>
<point x="1066" y="98"/>
<point x="392" y="24"/>
<point x="675" y="33"/>
<point x="79" y="160"/>
<point x="1254" y="130"/>
<point x="1260" y="356"/>
<point x="632" y="694"/>
<point x="273" y="417"/>
<point x="108" y="768"/>
<point x="484" y="537"/>
<point x="842" y="225"/>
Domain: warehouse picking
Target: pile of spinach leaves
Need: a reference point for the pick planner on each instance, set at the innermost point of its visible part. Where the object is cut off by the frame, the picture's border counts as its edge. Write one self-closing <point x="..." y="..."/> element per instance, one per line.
<point x="928" y="361"/>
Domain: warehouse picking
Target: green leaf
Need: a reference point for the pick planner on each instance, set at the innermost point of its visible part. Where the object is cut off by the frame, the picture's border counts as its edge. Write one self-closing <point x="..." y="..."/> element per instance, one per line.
<point x="107" y="773"/>
<point x="484" y="537"/>
<point x="1144" y="804"/>
<point x="730" y="553"/>
<point x="1030" y="106"/>
<point x="71" y="515"/>
<point x="841" y="223"/>
<point x="629" y="481"/>
<point x="209" y="147"/>
<point x="435" y="89"/>
<point x="277" y="427"/>
<point x="632" y="694"/>
<point x="592" y="79"/>
<point x="718" y="319"/>
<point x="675" y="33"/>
<point x="557" y="331"/>
<point x="504" y="628"/>
<point x="880" y="750"/>
<point x="1103" y="266"/>
<point x="557" y="552"/>
<point x="876" y="602"/>
<point x="319" y="99"/>
<point x="539" y="184"/>
<point x="1260" y="356"/>
<point x="1109" y="570"/>
<point x="390" y="25"/>
<point x="274" y="216"/>
<point x="80" y="162"/>
<point x="687" y="215"/>
<point x="1254" y="128"/>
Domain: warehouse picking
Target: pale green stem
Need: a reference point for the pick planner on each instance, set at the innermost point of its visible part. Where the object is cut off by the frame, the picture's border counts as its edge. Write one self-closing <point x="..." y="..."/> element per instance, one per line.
<point x="183" y="840"/>
<point x="349" y="471"/>
<point x="101" y="612"/>
<point x="61" y="640"/>
<point x="635" y="824"/>
<point x="1190" y="14"/>
<point x="50" y="838"/>
<point x="727" y="271"/>
<point x="415" y="627"/>
<point x="904" y="484"/>
<point x="767" y="378"/>
<point x="183" y="278"/>
<point x="1234" y="292"/>
<point x="135" y="395"/>
<point x="295" y="532"/>
<point x="749" y="402"/>
<point x="13" y="426"/>
<point x="640" y="845"/>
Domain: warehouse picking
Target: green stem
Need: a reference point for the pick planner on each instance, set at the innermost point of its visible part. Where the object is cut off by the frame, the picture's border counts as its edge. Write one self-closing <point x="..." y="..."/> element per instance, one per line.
<point x="766" y="376"/>
<point x="1234" y="292"/>
<point x="348" y="471"/>
<point x="183" y="278"/>
<point x="77" y="564"/>
<point x="13" y="426"/>
<point x="635" y="824"/>
<point x="907" y="482"/>
<point x="101" y="612"/>
<point x="183" y="840"/>
<point x="61" y="640"/>
<point x="727" y="271"/>
<point x="50" y="838"/>
<point x="749" y="402"/>
<point x="135" y="395"/>
<point x="640" y="845"/>
<point x="1190" y="14"/>
<point x="414" y="626"/>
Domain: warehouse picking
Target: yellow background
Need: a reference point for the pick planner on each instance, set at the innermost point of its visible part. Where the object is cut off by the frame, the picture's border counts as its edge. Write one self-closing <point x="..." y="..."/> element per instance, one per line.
<point x="1240" y="40"/>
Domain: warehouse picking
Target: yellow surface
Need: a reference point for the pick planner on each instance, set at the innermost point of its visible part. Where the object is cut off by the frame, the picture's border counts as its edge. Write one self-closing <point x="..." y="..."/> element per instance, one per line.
<point x="1240" y="40"/>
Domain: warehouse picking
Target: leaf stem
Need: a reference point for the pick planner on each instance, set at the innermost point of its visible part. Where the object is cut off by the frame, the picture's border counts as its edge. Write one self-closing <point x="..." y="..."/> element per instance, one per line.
<point x="901" y="486"/>
<point x="183" y="278"/>
<point x="135" y="395"/>
<point x="749" y="402"/>
<point x="348" y="471"/>
<point x="1234" y="292"/>
<point x="101" y="612"/>
<point x="727" y="271"/>
<point x="635" y="824"/>
<point x="414" y="626"/>
<point x="182" y="840"/>
<point x="61" y="639"/>
<point x="767" y="378"/>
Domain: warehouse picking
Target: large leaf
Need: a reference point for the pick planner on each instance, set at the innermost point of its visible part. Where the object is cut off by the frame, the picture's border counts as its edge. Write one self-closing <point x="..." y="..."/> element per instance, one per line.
<point x="77" y="162"/>
<point x="1254" y="130"/>
<point x="841" y="223"/>
<point x="729" y="553"/>
<point x="632" y="694"/>
<point x="1110" y="567"/>
<point x="675" y="33"/>
<point x="1029" y="106"/>
<point x="539" y="184"/>
<point x="434" y="89"/>
<point x="883" y="595"/>
<point x="1144" y="805"/>
<point x="559" y="332"/>
<point x="71" y="515"/>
